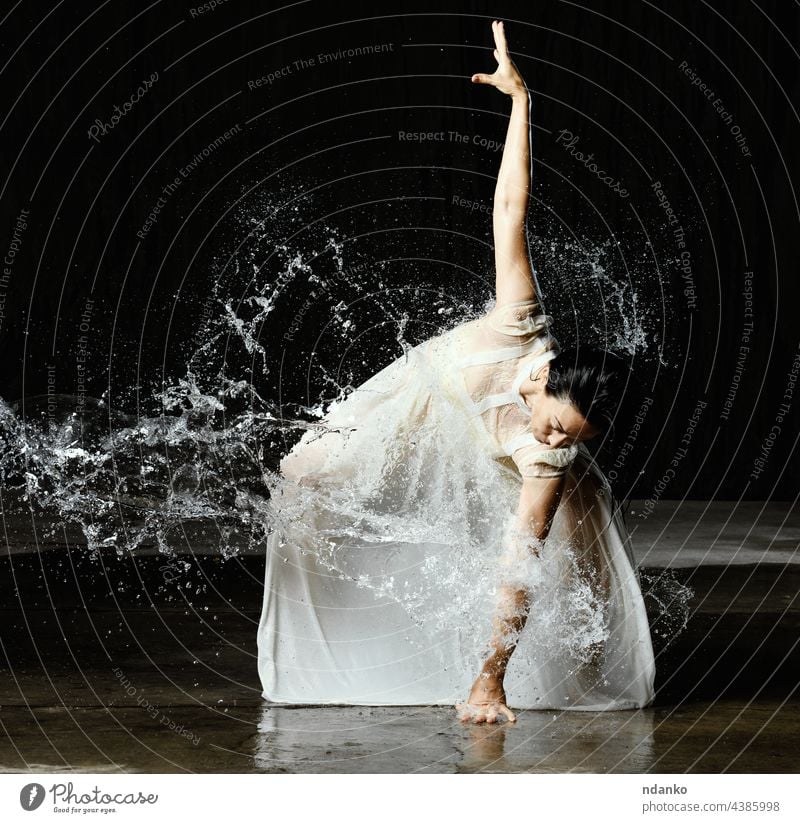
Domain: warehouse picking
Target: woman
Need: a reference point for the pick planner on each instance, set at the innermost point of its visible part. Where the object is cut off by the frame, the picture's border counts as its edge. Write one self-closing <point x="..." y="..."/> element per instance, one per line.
<point x="449" y="503"/>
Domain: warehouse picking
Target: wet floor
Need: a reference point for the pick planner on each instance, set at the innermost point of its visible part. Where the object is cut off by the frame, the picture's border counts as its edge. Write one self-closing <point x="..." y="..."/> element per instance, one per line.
<point x="140" y="664"/>
<point x="723" y="736"/>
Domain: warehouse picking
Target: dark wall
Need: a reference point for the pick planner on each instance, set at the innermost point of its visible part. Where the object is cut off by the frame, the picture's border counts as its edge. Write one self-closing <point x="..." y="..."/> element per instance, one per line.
<point x="688" y="104"/>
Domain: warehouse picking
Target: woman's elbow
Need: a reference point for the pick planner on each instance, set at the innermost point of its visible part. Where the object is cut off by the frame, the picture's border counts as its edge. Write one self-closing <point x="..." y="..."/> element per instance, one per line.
<point x="510" y="209"/>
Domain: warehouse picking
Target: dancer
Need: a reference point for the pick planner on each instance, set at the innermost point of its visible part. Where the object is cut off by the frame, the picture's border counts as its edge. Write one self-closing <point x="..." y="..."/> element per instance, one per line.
<point x="444" y="536"/>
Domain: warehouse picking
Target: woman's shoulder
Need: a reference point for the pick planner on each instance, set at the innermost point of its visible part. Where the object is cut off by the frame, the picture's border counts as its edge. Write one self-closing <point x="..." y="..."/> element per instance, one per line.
<point x="539" y="460"/>
<point x="521" y="318"/>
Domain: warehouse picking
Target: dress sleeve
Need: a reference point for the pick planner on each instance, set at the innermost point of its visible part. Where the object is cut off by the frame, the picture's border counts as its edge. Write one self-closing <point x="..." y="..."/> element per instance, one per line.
<point x="533" y="461"/>
<point x="517" y="323"/>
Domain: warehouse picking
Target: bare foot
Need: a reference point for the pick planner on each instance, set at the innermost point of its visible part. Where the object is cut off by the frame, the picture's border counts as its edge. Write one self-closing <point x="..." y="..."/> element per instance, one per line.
<point x="486" y="702"/>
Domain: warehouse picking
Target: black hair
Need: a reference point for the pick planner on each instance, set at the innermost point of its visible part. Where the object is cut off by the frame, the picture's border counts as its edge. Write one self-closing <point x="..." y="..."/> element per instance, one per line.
<point x="601" y="385"/>
<point x="591" y="379"/>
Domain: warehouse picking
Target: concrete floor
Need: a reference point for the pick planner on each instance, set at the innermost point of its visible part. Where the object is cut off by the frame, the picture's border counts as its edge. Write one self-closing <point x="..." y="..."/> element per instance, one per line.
<point x="708" y="737"/>
<point x="126" y="664"/>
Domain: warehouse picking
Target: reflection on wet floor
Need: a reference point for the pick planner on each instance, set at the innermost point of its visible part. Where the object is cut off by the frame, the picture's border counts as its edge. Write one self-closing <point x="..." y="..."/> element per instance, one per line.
<point x="695" y="738"/>
<point x="723" y="736"/>
<point x="428" y="740"/>
<point x="108" y="668"/>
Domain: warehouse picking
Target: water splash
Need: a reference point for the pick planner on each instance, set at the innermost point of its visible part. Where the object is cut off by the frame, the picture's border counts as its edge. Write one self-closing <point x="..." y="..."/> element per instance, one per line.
<point x="202" y="454"/>
<point x="669" y="601"/>
<point x="602" y="286"/>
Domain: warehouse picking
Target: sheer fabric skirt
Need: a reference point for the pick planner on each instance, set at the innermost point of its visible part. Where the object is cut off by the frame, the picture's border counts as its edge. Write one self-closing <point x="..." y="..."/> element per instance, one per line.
<point x="382" y="572"/>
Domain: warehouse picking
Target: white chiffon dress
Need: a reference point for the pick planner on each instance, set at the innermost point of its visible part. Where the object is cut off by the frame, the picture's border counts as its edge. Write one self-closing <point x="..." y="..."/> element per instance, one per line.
<point x="393" y="534"/>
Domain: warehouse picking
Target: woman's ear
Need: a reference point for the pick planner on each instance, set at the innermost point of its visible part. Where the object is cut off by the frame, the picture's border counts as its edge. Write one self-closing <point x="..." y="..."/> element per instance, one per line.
<point x="540" y="376"/>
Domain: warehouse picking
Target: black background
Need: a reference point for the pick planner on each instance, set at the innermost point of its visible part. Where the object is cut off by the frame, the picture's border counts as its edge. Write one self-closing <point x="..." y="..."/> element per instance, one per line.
<point x="608" y="72"/>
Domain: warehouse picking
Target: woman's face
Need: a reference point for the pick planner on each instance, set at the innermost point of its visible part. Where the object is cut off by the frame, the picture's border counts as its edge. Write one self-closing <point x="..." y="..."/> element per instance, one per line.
<point x="556" y="422"/>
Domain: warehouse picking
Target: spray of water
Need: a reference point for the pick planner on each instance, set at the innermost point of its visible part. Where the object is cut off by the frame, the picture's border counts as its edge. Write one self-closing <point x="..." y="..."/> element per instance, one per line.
<point x="204" y="456"/>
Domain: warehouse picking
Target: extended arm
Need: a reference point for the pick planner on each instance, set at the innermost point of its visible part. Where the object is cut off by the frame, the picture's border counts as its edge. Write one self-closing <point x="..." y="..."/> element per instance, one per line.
<point x="513" y="272"/>
<point x="514" y="275"/>
<point x="538" y="503"/>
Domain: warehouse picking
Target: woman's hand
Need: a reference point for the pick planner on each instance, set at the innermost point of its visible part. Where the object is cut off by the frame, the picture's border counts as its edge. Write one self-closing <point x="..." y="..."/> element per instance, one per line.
<point x="486" y="702"/>
<point x="506" y="78"/>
